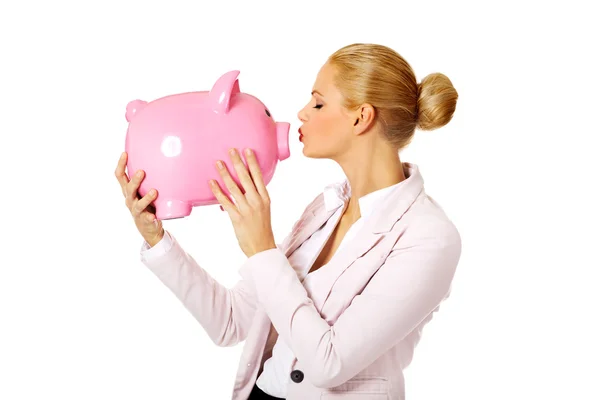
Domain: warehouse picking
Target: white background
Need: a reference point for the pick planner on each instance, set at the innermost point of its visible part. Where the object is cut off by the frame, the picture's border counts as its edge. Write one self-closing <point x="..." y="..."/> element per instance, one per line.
<point x="516" y="169"/>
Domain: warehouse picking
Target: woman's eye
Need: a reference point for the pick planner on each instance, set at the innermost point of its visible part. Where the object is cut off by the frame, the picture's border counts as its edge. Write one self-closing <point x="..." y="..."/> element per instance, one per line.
<point x="268" y="113"/>
<point x="318" y="106"/>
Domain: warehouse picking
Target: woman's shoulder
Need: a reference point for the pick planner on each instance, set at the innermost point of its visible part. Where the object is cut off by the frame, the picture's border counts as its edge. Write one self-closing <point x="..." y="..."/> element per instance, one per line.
<point x="427" y="220"/>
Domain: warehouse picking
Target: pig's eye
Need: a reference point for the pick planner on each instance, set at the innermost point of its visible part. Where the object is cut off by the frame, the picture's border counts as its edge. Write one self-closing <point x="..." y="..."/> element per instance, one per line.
<point x="268" y="113"/>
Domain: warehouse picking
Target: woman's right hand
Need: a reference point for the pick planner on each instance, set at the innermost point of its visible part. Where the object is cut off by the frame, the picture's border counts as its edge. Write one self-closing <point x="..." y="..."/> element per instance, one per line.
<point x="141" y="209"/>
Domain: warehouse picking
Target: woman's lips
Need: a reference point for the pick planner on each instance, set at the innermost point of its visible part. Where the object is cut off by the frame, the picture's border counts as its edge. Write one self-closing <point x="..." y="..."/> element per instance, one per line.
<point x="300" y="132"/>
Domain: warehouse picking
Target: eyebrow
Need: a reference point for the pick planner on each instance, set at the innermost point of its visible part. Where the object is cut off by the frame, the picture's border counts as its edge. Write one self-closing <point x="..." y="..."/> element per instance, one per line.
<point x="317" y="92"/>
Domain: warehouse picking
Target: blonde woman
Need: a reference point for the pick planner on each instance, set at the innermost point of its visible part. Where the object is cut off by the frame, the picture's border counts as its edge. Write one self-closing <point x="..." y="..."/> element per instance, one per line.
<point x="335" y="310"/>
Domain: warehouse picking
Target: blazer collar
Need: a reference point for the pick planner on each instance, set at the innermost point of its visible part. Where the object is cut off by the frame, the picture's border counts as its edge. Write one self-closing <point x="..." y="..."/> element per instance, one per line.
<point x="383" y="217"/>
<point x="391" y="208"/>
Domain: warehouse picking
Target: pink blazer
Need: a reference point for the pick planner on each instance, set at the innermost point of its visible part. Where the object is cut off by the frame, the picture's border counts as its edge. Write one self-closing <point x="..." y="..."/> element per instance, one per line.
<point x="356" y="334"/>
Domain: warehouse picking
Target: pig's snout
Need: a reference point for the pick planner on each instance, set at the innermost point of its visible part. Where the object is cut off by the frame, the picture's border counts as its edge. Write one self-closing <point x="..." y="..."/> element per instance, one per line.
<point x="283" y="145"/>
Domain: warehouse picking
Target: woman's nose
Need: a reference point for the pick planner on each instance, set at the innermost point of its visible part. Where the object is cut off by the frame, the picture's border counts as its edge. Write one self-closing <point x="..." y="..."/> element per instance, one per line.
<point x="302" y="115"/>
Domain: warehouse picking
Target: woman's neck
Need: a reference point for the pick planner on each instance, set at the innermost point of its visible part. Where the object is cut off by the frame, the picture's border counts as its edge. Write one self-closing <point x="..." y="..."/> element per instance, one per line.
<point x="370" y="171"/>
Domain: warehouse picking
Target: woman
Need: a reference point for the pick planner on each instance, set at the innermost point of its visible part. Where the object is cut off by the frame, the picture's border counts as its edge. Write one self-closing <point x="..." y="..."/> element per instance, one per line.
<point x="335" y="310"/>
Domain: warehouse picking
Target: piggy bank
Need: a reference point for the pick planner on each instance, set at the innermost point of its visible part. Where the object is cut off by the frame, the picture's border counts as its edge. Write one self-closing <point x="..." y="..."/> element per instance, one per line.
<point x="177" y="140"/>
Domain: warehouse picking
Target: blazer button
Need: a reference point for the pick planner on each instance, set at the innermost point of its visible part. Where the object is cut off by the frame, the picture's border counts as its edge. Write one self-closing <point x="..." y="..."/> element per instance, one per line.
<point x="297" y="376"/>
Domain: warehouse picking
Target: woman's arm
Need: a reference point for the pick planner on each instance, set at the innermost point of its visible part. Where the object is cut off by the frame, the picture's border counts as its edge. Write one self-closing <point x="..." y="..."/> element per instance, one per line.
<point x="225" y="314"/>
<point x="411" y="283"/>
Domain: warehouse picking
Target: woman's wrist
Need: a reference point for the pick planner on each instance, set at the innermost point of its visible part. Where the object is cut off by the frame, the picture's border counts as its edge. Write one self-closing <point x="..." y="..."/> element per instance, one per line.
<point x="155" y="239"/>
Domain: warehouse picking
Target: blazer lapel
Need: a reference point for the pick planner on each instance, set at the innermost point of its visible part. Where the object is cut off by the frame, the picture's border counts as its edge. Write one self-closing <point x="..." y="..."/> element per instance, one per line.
<point x="378" y="225"/>
<point x="340" y="261"/>
<point x="310" y="221"/>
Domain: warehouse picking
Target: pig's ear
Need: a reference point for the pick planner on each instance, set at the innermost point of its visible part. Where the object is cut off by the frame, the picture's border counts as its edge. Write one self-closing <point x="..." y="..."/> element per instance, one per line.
<point x="222" y="92"/>
<point x="133" y="107"/>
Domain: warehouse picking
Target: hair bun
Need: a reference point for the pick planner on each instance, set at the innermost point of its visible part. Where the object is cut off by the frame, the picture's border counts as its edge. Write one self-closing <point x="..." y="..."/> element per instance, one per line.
<point x="436" y="102"/>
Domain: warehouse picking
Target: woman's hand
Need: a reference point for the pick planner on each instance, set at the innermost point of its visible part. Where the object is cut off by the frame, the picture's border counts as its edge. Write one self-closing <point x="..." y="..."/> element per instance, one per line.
<point x="251" y="213"/>
<point x="141" y="209"/>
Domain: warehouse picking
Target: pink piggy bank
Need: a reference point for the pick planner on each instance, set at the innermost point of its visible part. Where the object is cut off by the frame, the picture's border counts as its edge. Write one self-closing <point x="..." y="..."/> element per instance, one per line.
<point x="177" y="140"/>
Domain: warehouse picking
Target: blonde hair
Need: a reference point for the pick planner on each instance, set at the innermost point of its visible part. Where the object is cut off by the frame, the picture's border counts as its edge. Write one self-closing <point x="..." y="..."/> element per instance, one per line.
<point x="379" y="76"/>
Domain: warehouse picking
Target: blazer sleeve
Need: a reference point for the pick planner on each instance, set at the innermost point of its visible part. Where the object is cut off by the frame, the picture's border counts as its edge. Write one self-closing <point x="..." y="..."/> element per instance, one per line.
<point x="414" y="279"/>
<point x="224" y="313"/>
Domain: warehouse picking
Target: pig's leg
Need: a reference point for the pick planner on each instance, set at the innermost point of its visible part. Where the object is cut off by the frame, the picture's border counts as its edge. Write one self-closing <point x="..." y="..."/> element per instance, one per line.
<point x="171" y="209"/>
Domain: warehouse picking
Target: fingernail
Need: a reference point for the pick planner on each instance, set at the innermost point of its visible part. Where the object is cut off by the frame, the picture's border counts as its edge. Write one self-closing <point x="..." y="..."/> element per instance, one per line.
<point x="138" y="174"/>
<point x="151" y="192"/>
<point x="232" y="151"/>
<point x="220" y="164"/>
<point x="248" y="152"/>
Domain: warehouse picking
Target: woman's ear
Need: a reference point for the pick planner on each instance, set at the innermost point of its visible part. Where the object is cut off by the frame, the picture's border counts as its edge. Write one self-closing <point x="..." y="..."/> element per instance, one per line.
<point x="364" y="119"/>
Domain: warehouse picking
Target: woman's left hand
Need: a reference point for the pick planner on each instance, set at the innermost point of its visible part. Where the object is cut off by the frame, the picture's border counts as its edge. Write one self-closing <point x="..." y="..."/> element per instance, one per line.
<point x="251" y="213"/>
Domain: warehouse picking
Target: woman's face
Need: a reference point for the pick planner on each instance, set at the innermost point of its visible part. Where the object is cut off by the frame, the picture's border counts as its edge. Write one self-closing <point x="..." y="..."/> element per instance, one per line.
<point x="326" y="129"/>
